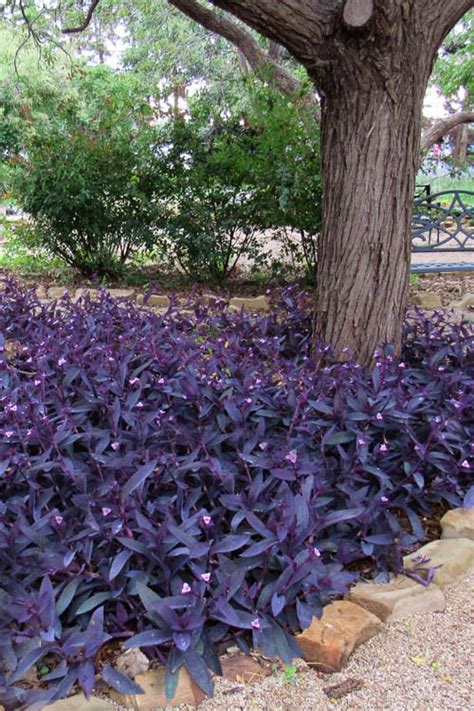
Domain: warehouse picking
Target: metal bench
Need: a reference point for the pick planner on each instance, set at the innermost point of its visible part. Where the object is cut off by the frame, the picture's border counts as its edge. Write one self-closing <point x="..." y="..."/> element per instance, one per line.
<point x="443" y="223"/>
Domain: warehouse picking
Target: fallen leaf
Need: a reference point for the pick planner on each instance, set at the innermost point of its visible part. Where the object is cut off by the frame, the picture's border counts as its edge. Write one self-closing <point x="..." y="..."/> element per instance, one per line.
<point x="418" y="660"/>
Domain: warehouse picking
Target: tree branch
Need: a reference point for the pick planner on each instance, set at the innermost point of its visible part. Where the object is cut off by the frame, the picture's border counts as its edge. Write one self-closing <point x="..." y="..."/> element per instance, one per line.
<point x="262" y="63"/>
<point x="87" y="20"/>
<point x="436" y="132"/>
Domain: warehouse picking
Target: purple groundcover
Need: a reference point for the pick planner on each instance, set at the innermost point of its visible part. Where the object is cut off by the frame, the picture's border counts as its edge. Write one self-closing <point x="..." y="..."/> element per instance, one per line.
<point x="174" y="481"/>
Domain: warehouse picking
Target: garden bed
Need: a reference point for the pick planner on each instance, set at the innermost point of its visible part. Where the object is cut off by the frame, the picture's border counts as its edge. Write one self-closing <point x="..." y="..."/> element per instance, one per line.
<point x="182" y="480"/>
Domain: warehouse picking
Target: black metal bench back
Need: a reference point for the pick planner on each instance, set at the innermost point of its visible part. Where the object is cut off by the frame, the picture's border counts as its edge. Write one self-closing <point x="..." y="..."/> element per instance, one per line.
<point x="444" y="222"/>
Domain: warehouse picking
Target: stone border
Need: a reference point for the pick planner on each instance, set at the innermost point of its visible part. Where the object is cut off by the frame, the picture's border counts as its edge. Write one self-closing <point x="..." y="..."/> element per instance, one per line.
<point x="329" y="642"/>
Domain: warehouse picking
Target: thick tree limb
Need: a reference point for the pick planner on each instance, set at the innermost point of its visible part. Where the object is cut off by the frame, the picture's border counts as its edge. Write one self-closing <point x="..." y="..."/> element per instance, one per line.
<point x="441" y="128"/>
<point x="262" y="63"/>
<point x="299" y="25"/>
<point x="87" y="20"/>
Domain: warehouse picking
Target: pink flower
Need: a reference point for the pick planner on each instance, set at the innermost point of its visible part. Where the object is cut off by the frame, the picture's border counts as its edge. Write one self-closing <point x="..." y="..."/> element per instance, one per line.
<point x="263" y="446"/>
<point x="465" y="464"/>
<point x="206" y="577"/>
<point x="256" y="624"/>
<point x="139" y="405"/>
<point x="361" y="441"/>
<point x="185" y="589"/>
<point x="441" y="368"/>
<point x="317" y="552"/>
<point x="248" y="401"/>
<point x="379" y="416"/>
<point x="383" y="448"/>
<point x="206" y="520"/>
<point x="115" y="445"/>
<point x="58" y="520"/>
<point x="384" y="499"/>
<point x="37" y="382"/>
<point x="106" y="511"/>
<point x="292" y="456"/>
<point x="9" y="434"/>
<point x="402" y="365"/>
<point x="62" y="361"/>
<point x="133" y="381"/>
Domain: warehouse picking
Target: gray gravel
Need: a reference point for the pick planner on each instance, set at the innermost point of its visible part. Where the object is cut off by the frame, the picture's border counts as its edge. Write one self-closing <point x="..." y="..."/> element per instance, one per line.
<point x="421" y="664"/>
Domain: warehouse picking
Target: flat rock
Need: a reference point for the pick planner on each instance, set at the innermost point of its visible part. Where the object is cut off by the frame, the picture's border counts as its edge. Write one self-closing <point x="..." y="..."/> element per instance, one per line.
<point x="155" y="301"/>
<point x="458" y="523"/>
<point x="57" y="292"/>
<point x="455" y="556"/>
<point x="152" y="683"/>
<point x="132" y="662"/>
<point x="82" y="293"/>
<point x="121" y="293"/>
<point x="328" y="643"/>
<point x="400" y="598"/>
<point x="428" y="300"/>
<point x="259" y="303"/>
<point x="466" y="302"/>
<point x="243" y="668"/>
<point x="80" y="703"/>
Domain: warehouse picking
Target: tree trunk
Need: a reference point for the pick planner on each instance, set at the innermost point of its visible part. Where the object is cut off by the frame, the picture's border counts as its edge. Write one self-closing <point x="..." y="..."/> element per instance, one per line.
<point x="370" y="148"/>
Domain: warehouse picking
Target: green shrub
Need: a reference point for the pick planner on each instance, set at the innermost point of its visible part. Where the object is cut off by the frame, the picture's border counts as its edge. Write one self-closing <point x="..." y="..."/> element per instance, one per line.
<point x="86" y="181"/>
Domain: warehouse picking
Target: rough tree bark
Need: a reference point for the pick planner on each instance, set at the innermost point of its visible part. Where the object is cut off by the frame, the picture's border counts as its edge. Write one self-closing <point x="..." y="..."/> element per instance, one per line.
<point x="370" y="61"/>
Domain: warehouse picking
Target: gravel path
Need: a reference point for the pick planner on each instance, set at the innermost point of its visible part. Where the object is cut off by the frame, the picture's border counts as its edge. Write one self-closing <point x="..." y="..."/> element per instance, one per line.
<point x="421" y="664"/>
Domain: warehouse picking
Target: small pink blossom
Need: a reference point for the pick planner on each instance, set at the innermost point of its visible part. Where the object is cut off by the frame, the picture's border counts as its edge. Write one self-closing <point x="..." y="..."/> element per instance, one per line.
<point x="106" y="511"/>
<point x="58" y="520"/>
<point x="383" y="448"/>
<point x="317" y="552"/>
<point x="37" y="382"/>
<point x="139" y="405"/>
<point x="206" y="520"/>
<point x="248" y="401"/>
<point x="292" y="456"/>
<point x="161" y="381"/>
<point x="9" y="434"/>
<point x="115" y="445"/>
<point x="384" y="499"/>
<point x="263" y="446"/>
<point x="379" y="416"/>
<point x="206" y="577"/>
<point x="62" y="361"/>
<point x="256" y="624"/>
<point x="134" y="381"/>
<point x="185" y="589"/>
<point x="361" y="441"/>
<point x="402" y="365"/>
<point x="441" y="368"/>
<point x="465" y="464"/>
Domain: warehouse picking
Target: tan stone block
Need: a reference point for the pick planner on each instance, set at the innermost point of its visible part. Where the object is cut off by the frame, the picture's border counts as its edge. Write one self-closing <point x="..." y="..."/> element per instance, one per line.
<point x="80" y="703"/>
<point x="152" y="683"/>
<point x="398" y="599"/>
<point x="428" y="300"/>
<point x="121" y="293"/>
<point x="329" y="642"/>
<point x="155" y="301"/>
<point x="458" y="523"/>
<point x="455" y="556"/>
<point x="259" y="303"/>
<point x="83" y="292"/>
<point x="57" y="292"/>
